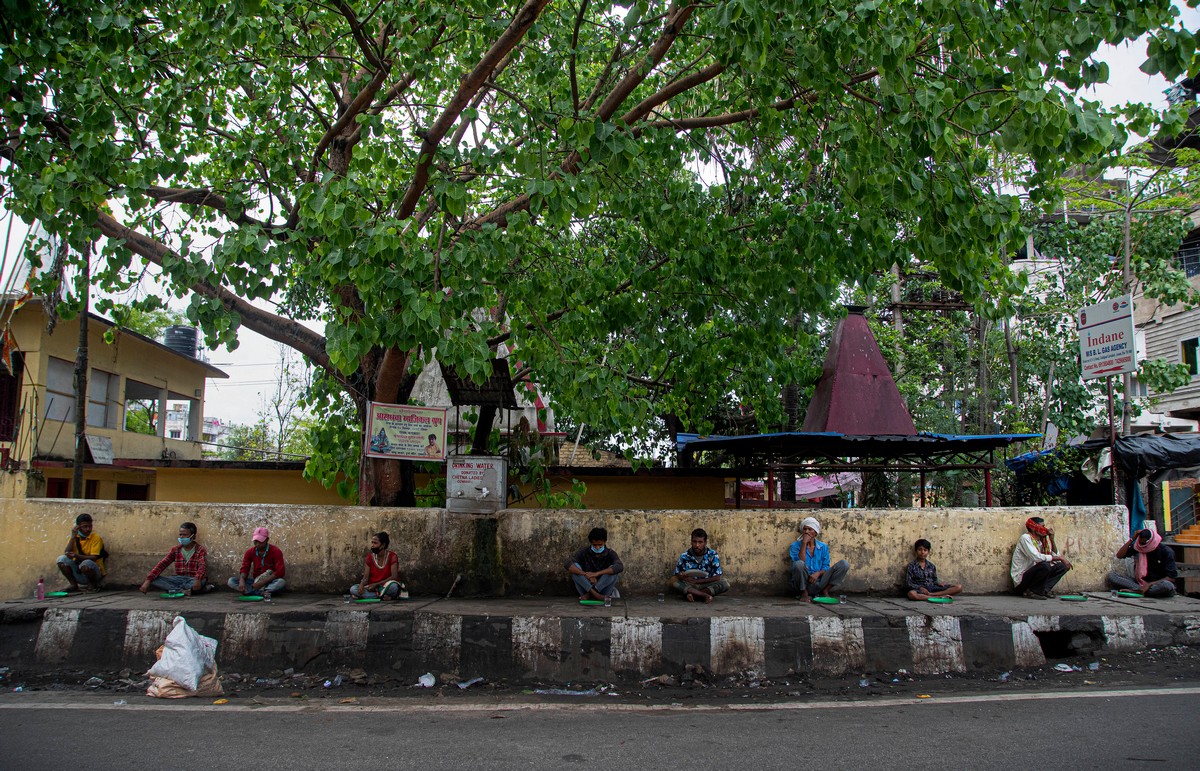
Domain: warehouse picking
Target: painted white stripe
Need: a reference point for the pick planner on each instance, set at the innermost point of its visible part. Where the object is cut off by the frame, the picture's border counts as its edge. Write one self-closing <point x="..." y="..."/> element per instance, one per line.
<point x="1045" y="623"/>
<point x="936" y="643"/>
<point x="437" y="639"/>
<point x="837" y="644"/>
<point x="244" y="635"/>
<point x="737" y="644"/>
<point x="635" y="644"/>
<point x="537" y="644"/>
<point x="145" y="630"/>
<point x="56" y="635"/>
<point x="1124" y="633"/>
<point x="16" y="702"/>
<point x="346" y="630"/>
<point x="1027" y="649"/>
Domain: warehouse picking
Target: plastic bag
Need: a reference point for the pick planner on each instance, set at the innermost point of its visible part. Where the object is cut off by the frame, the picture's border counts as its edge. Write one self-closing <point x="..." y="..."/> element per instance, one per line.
<point x="166" y="688"/>
<point x="187" y="656"/>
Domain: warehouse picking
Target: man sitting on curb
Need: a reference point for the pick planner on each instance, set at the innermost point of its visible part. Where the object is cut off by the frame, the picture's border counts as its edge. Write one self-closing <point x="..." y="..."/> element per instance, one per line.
<point x="812" y="576"/>
<point x="82" y="562"/>
<point x="594" y="568"/>
<point x="1036" y="565"/>
<point x="262" y="565"/>
<point x="698" y="572"/>
<point x="1154" y="571"/>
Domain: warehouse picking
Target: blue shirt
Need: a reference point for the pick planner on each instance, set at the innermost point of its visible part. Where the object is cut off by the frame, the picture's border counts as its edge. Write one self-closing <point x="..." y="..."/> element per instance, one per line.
<point x="818" y="560"/>
<point x="709" y="562"/>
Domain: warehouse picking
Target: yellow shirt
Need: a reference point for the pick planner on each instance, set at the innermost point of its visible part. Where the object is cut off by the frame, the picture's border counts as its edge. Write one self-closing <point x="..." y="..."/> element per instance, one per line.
<point x="92" y="546"/>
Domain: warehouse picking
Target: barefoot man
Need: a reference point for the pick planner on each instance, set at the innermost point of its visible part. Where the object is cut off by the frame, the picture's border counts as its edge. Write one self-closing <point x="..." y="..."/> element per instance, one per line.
<point x="698" y="573"/>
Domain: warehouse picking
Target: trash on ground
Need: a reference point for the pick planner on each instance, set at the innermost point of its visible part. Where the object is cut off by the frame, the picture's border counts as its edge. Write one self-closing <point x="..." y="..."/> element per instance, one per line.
<point x="864" y="683"/>
<point x="1094" y="666"/>
<point x="565" y="692"/>
<point x="221" y="701"/>
<point x="468" y="683"/>
<point x="1004" y="676"/>
<point x="120" y="703"/>
<point x="427" y="680"/>
<point x="668" y="680"/>
<point x="923" y="696"/>
<point x="186" y="665"/>
<point x="350" y="700"/>
<point x="1066" y="668"/>
<point x="94" y="682"/>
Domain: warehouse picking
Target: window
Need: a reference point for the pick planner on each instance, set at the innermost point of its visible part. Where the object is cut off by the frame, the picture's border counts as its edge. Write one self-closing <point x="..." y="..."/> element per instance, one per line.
<point x="10" y="398"/>
<point x="1190" y="356"/>
<point x="60" y="394"/>
<point x="102" y="399"/>
<point x="176" y="434"/>
<point x="60" y="390"/>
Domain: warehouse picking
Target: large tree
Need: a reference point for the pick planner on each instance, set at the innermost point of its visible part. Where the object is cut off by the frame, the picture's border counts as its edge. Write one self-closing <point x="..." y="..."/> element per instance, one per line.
<point x="641" y="200"/>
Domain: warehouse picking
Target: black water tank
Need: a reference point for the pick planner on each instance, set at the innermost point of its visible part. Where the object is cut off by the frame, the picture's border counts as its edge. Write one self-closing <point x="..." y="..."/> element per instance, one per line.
<point x="181" y="339"/>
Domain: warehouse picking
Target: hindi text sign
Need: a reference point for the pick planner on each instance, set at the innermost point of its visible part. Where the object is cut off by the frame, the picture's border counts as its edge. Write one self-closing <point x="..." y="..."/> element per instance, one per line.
<point x="409" y="433"/>
<point x="1106" y="338"/>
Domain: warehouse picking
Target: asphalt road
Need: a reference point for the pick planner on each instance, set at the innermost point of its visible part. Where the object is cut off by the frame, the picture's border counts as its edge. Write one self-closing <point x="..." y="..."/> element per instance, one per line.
<point x="1143" y="728"/>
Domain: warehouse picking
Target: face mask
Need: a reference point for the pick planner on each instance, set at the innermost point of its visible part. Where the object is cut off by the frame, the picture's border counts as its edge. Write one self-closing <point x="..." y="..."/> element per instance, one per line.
<point x="184" y="541"/>
<point x="598" y="549"/>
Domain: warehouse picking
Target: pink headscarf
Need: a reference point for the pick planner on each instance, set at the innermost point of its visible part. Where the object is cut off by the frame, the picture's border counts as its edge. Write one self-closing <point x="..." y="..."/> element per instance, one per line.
<point x="1140" y="568"/>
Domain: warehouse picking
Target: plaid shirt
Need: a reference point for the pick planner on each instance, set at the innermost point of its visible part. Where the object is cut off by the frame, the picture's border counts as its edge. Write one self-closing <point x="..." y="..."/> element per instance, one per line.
<point x="709" y="562"/>
<point x="916" y="576"/>
<point x="196" y="567"/>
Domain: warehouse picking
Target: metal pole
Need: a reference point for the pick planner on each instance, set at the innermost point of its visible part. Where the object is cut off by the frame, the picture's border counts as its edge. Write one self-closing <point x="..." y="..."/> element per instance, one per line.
<point x="1112" y="439"/>
<point x="987" y="487"/>
<point x="770" y="488"/>
<point x="922" y="488"/>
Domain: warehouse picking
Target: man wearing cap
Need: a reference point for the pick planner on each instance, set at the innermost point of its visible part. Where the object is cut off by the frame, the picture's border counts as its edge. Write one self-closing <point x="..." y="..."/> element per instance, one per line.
<point x="1154" y="570"/>
<point x="262" y="567"/>
<point x="812" y="575"/>
<point x="1037" y="567"/>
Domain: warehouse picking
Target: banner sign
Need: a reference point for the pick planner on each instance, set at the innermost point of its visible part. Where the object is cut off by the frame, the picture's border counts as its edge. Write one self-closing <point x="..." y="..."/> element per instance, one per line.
<point x="409" y="433"/>
<point x="1106" y="338"/>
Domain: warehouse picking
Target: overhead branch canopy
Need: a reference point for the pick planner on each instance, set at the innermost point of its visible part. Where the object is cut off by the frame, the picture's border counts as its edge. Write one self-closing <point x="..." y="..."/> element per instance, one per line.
<point x="640" y="199"/>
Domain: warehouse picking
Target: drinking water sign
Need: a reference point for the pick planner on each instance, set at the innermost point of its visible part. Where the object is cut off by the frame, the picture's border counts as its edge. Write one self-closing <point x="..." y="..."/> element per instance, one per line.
<point x="1106" y="340"/>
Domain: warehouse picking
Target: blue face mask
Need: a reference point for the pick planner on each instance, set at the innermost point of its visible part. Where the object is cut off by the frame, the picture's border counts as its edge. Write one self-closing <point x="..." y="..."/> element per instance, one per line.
<point x="599" y="549"/>
<point x="184" y="541"/>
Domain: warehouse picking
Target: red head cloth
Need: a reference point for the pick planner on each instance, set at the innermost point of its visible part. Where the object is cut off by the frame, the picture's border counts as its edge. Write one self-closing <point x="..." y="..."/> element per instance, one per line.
<point x="1036" y="528"/>
<point x="1142" y="549"/>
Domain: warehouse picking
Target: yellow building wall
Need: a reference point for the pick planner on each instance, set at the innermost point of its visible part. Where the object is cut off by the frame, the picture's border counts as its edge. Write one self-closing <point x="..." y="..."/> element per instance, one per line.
<point x="219" y="485"/>
<point x="523" y="550"/>
<point x="639" y="492"/>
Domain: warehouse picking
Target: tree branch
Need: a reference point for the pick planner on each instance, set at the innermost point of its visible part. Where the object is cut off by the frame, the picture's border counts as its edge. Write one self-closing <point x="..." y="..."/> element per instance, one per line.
<point x="270" y="325"/>
<point x="470" y="84"/>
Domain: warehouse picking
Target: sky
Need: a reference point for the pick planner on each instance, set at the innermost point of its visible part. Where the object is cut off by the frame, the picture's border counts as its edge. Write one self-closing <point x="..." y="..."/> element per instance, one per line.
<point x="253" y="367"/>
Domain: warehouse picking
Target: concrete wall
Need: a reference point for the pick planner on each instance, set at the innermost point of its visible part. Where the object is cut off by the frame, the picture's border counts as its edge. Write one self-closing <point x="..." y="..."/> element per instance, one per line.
<point x="522" y="550"/>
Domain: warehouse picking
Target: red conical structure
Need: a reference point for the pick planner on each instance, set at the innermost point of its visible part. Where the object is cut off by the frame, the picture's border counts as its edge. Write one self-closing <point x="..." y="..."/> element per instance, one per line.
<point x="856" y="393"/>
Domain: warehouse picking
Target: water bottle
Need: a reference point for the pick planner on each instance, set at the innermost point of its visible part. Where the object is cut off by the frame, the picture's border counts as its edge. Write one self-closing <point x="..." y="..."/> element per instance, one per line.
<point x="40" y="593"/>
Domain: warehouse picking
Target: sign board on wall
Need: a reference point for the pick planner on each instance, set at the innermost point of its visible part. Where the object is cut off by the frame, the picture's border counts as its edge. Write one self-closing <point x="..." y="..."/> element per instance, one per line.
<point x="1107" y="345"/>
<point x="476" y="484"/>
<point x="101" y="448"/>
<point x="408" y="433"/>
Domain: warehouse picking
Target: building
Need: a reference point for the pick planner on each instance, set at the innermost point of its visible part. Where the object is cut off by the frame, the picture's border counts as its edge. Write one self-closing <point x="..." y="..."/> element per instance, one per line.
<point x="131" y="381"/>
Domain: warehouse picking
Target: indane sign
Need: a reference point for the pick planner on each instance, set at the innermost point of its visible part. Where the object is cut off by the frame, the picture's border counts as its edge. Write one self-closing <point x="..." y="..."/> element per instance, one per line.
<point x="1106" y="338"/>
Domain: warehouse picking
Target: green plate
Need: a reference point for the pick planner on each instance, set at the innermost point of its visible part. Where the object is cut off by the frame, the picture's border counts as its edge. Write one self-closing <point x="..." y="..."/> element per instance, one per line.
<point x="1073" y="597"/>
<point x="591" y="602"/>
<point x="1134" y="595"/>
<point x="58" y="594"/>
<point x="171" y="595"/>
<point x="249" y="598"/>
<point x="939" y="600"/>
<point x="827" y="600"/>
<point x="365" y="600"/>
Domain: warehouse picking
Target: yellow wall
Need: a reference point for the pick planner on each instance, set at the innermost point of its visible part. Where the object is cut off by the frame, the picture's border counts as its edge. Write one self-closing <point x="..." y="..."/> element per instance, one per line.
<point x="640" y="491"/>
<point x="522" y="550"/>
<point x="224" y="485"/>
<point x="128" y="356"/>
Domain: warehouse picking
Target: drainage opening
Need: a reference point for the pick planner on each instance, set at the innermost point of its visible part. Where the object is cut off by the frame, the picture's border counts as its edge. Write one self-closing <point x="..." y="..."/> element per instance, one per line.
<point x="1065" y="644"/>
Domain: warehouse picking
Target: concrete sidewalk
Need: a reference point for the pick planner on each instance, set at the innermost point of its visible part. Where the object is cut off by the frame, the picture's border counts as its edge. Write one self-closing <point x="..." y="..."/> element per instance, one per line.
<point x="556" y="639"/>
